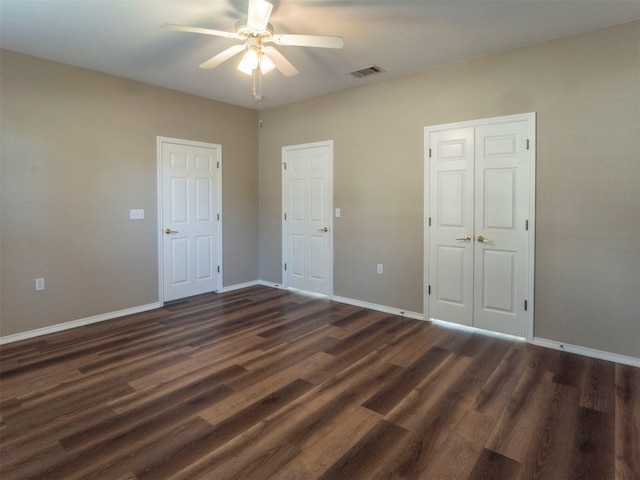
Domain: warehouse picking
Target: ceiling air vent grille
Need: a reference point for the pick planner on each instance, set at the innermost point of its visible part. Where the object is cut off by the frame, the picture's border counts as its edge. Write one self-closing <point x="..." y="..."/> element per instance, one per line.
<point x="365" y="72"/>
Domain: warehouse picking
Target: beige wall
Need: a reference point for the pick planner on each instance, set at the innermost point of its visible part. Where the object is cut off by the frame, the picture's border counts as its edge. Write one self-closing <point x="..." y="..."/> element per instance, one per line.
<point x="79" y="151"/>
<point x="585" y="90"/>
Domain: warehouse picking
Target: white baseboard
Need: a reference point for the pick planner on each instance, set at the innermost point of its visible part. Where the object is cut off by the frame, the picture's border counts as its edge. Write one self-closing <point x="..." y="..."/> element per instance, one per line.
<point x="271" y="284"/>
<point x="380" y="308"/>
<point x="77" y="323"/>
<point x="357" y="303"/>
<point x="238" y="286"/>
<point x="587" y="352"/>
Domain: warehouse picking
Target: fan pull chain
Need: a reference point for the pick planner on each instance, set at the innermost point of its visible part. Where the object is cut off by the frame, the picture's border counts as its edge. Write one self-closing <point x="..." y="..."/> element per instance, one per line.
<point x="257" y="92"/>
<point x="254" y="82"/>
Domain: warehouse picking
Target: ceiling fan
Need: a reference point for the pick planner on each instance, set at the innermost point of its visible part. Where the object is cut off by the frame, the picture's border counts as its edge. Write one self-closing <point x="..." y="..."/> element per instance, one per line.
<point x="254" y="33"/>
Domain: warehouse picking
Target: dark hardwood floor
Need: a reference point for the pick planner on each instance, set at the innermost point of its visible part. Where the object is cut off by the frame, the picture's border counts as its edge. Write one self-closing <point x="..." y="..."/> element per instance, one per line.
<point x="265" y="384"/>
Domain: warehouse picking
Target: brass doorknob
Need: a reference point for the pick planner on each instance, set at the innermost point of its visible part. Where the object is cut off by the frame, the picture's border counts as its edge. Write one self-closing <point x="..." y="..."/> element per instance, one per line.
<point x="325" y="229"/>
<point x="466" y="238"/>
<point x="481" y="239"/>
<point x="169" y="231"/>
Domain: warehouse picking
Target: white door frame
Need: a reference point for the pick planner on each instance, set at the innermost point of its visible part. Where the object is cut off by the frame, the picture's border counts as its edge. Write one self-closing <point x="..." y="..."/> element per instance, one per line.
<point x="285" y="193"/>
<point x="531" y="122"/>
<point x="179" y="141"/>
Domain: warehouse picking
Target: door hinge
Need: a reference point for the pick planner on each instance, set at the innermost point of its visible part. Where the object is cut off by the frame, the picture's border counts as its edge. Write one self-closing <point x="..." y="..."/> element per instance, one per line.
<point x="526" y="225"/>
<point x="527" y="144"/>
<point x="525" y="305"/>
<point x="285" y="216"/>
<point x="218" y="217"/>
<point x="429" y="290"/>
<point x="285" y="267"/>
<point x="218" y="268"/>
<point x="429" y="153"/>
<point x="429" y="221"/>
<point x="217" y="164"/>
<point x="285" y="165"/>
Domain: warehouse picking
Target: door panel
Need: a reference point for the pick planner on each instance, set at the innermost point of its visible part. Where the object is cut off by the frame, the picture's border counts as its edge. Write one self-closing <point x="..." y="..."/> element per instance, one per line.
<point x="203" y="204"/>
<point x="451" y="200"/>
<point x="297" y="263"/>
<point x="178" y="200"/>
<point x="316" y="262"/>
<point x="204" y="254"/>
<point x="499" y="199"/>
<point x="498" y="281"/>
<point x="179" y="270"/>
<point x="450" y="275"/>
<point x="190" y="208"/>
<point x="317" y="213"/>
<point x="297" y="200"/>
<point x="451" y="193"/>
<point x="307" y="192"/>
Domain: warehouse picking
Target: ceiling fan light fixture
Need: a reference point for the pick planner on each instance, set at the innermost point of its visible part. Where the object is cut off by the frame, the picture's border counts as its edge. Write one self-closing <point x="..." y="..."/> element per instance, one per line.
<point x="254" y="32"/>
<point x="249" y="61"/>
<point x="266" y="64"/>
<point x="244" y="69"/>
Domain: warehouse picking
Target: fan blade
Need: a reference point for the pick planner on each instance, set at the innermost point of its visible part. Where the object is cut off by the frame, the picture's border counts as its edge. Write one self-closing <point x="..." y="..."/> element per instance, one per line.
<point x="258" y="14"/>
<point x="205" y="31"/>
<point x="321" y="41"/>
<point x="222" y="56"/>
<point x="282" y="64"/>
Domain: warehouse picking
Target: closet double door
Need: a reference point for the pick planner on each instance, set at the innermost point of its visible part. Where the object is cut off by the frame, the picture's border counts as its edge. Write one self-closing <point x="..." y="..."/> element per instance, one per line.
<point x="479" y="233"/>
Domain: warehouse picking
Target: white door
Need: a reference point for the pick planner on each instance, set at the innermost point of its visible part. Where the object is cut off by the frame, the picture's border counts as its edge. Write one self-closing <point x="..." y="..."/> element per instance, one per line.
<point x="190" y="218"/>
<point x="307" y="196"/>
<point x="501" y="227"/>
<point x="451" y="184"/>
<point x="480" y="209"/>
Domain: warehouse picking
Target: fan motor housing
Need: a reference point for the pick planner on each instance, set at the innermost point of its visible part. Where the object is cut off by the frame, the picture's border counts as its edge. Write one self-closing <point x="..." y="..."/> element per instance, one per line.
<point x="242" y="28"/>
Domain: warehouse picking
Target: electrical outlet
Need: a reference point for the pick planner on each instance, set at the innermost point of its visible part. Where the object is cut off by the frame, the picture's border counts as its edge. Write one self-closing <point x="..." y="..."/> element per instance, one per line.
<point x="379" y="269"/>
<point x="39" y="284"/>
<point x="136" y="214"/>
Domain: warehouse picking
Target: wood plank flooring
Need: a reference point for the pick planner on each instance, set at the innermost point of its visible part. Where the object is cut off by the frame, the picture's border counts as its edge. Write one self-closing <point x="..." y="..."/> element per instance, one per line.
<point x="265" y="384"/>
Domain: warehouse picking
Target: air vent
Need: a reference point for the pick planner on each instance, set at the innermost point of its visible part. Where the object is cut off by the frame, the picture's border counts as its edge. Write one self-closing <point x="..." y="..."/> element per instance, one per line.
<point x="365" y="72"/>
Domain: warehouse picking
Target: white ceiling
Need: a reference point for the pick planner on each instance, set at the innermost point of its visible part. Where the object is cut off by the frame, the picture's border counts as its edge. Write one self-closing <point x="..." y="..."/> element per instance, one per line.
<point x="121" y="37"/>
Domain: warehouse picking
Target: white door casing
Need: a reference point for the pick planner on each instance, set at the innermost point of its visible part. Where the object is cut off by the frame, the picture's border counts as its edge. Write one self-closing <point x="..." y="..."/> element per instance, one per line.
<point x="189" y="199"/>
<point x="307" y="227"/>
<point x="480" y="200"/>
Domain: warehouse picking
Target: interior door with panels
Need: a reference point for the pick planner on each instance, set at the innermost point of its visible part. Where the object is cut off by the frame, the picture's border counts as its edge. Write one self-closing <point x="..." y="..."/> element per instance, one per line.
<point x="501" y="227"/>
<point x="451" y="253"/>
<point x="479" y="201"/>
<point x="190" y="218"/>
<point x="307" y="198"/>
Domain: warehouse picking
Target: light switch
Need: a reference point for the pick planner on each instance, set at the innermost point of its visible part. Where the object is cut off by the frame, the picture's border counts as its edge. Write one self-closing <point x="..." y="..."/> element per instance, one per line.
<point x="337" y="212"/>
